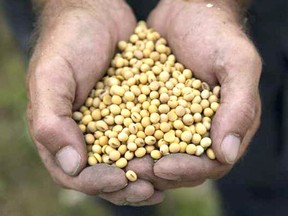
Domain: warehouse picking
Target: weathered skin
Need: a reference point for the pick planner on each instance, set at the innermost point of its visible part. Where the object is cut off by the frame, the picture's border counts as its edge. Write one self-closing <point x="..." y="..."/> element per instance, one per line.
<point x="77" y="41"/>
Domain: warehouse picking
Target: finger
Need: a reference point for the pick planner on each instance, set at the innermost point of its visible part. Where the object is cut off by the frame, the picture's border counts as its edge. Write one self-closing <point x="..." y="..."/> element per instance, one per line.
<point x="135" y="192"/>
<point x="238" y="109"/>
<point x="92" y="180"/>
<point x="189" y="168"/>
<point x="51" y="93"/>
<point x="144" y="170"/>
<point x="156" y="198"/>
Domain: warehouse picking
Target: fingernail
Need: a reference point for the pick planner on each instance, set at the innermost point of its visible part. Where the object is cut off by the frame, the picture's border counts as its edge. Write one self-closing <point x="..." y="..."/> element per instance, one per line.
<point x="230" y="147"/>
<point x="69" y="160"/>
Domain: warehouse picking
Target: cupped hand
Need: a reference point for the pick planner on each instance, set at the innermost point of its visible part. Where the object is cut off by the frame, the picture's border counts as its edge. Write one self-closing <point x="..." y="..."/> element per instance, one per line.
<point x="76" y="44"/>
<point x="209" y="39"/>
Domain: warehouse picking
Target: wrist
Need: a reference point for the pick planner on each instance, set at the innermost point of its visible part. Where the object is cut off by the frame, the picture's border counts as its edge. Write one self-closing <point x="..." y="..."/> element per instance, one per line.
<point x="111" y="14"/>
<point x="233" y="11"/>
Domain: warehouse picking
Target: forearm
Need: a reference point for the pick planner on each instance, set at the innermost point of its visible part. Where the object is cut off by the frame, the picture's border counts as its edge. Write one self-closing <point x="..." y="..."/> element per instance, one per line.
<point x="109" y="13"/>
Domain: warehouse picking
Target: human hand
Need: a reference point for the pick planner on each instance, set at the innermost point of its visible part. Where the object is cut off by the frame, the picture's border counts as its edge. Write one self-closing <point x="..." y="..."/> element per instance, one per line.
<point x="210" y="41"/>
<point x="77" y="41"/>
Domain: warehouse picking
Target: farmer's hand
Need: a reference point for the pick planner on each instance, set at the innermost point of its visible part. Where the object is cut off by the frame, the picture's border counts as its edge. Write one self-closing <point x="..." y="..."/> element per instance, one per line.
<point x="77" y="41"/>
<point x="207" y="37"/>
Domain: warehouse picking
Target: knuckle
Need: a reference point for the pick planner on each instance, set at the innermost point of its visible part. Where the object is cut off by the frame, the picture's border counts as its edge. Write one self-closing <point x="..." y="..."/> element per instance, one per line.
<point x="248" y="112"/>
<point x="44" y="128"/>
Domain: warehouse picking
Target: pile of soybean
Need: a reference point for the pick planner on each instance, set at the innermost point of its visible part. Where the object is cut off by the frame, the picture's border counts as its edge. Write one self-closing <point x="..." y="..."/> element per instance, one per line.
<point x="147" y="103"/>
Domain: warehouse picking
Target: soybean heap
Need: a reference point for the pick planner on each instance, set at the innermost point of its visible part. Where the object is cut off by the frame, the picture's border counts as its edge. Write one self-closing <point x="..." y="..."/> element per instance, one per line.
<point x="147" y="103"/>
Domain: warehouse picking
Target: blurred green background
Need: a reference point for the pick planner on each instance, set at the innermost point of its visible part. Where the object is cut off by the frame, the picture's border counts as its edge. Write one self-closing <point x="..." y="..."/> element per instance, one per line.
<point x="26" y="188"/>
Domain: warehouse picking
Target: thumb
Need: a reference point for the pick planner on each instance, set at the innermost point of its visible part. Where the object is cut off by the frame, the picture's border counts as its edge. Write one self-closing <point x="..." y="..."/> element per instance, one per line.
<point x="51" y="93"/>
<point x="236" y="117"/>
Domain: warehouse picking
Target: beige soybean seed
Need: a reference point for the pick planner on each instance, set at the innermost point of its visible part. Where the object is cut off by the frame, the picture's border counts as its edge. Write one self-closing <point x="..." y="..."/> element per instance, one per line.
<point x="129" y="155"/>
<point x="145" y="121"/>
<point x="122" y="149"/>
<point x="164" y="108"/>
<point x="183" y="146"/>
<point x="109" y="120"/>
<point x="204" y="103"/>
<point x="89" y="138"/>
<point x="187" y="73"/>
<point x="196" y="84"/>
<point x="197" y="99"/>
<point x="199" y="150"/>
<point x="200" y="129"/>
<point x="191" y="149"/>
<point x="149" y="149"/>
<point x="159" y="134"/>
<point x="196" y="138"/>
<point x="149" y="130"/>
<point x="129" y="96"/>
<point x="131" y="175"/>
<point x="150" y="140"/>
<point x="141" y="134"/>
<point x="96" y="114"/>
<point x="210" y="154"/>
<point x="188" y="119"/>
<point x="140" y="152"/>
<point x="122" y="137"/>
<point x="114" y="155"/>
<point x="164" y="149"/>
<point x="214" y="106"/>
<point x="107" y="99"/>
<point x="213" y="98"/>
<point x="197" y="117"/>
<point x="165" y="127"/>
<point x="155" y="154"/>
<point x="178" y="124"/>
<point x="189" y="96"/>
<point x="122" y="45"/>
<point x="144" y="113"/>
<point x="91" y="127"/>
<point x="178" y="133"/>
<point x="207" y="125"/>
<point x="98" y="157"/>
<point x="164" y="98"/>
<point x="141" y="98"/>
<point x="206" y="142"/>
<point x="82" y="128"/>
<point x="172" y="116"/>
<point x="131" y="146"/>
<point x="121" y="163"/>
<point x="86" y="119"/>
<point x="205" y="94"/>
<point x="169" y="137"/>
<point x="106" y="159"/>
<point x="208" y="112"/>
<point x="97" y="149"/>
<point x="216" y="91"/>
<point x="196" y="108"/>
<point x="154" y="118"/>
<point x="180" y="111"/>
<point x="92" y="160"/>
<point x="115" y="109"/>
<point x="109" y="149"/>
<point x="114" y="142"/>
<point x="186" y="136"/>
<point x="105" y="112"/>
<point x="174" y="148"/>
<point x="102" y="125"/>
<point x="77" y="116"/>
<point x="103" y="140"/>
<point x="136" y="117"/>
<point x="133" y="129"/>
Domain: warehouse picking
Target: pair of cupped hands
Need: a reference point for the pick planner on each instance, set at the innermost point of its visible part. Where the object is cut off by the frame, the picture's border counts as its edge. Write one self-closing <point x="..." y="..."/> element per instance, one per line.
<point x="76" y="43"/>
